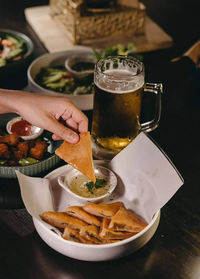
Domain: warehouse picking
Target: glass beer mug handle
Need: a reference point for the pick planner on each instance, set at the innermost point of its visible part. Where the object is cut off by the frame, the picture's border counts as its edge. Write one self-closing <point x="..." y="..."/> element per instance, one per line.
<point x="157" y="89"/>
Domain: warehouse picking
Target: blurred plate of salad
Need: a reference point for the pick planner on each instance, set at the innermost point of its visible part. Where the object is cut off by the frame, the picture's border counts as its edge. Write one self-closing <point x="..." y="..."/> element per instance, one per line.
<point x="14" y="47"/>
<point x="119" y="49"/>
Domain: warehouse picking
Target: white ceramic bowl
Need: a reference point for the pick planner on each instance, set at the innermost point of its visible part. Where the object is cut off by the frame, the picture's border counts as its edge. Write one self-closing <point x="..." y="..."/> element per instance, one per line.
<point x="35" y="131"/>
<point x="87" y="252"/>
<point x="71" y="61"/>
<point x="105" y="252"/>
<point x="83" y="102"/>
<point x="64" y="182"/>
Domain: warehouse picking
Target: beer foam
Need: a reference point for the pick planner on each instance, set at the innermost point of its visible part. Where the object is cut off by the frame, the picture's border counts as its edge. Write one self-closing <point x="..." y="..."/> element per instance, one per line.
<point x="120" y="81"/>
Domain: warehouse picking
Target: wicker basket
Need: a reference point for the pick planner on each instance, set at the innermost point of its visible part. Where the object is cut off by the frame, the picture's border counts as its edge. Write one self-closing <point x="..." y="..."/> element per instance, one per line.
<point x="81" y="24"/>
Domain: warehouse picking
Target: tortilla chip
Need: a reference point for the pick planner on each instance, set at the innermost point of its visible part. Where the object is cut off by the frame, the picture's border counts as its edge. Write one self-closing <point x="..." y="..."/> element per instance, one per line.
<point x="62" y="220"/>
<point x="78" y="212"/>
<point x="102" y="209"/>
<point x="126" y="220"/>
<point x="79" y="155"/>
<point x="108" y="234"/>
<point x="91" y="233"/>
<point x="73" y="235"/>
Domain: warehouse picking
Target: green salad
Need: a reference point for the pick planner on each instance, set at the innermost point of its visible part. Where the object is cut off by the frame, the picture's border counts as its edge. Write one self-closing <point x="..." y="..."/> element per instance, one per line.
<point x="60" y="80"/>
<point x="119" y="49"/>
<point x="11" y="49"/>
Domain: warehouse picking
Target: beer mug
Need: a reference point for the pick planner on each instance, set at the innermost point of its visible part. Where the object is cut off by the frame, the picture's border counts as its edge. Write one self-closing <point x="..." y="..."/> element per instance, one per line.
<point x="119" y="85"/>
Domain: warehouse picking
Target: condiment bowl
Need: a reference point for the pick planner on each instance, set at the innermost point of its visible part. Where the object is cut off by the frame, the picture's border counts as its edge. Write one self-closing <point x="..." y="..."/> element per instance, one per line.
<point x="75" y="176"/>
<point x="79" y="61"/>
<point x="35" y="131"/>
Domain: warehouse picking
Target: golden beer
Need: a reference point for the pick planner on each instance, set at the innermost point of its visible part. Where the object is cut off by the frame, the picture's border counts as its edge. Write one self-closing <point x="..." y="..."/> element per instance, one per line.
<point x="116" y="118"/>
<point x="119" y="86"/>
<point x="117" y="103"/>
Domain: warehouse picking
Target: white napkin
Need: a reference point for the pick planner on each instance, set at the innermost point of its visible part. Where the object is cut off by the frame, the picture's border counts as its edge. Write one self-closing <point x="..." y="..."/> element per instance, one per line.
<point x="151" y="177"/>
<point x="146" y="181"/>
<point x="35" y="194"/>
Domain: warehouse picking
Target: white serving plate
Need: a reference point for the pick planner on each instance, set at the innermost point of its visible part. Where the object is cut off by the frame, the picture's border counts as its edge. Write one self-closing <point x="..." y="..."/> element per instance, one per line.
<point x="86" y="252"/>
<point x="83" y="102"/>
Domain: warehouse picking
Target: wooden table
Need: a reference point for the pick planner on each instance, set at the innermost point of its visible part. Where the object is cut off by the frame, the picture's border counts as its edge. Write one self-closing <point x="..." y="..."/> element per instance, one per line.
<point x="174" y="251"/>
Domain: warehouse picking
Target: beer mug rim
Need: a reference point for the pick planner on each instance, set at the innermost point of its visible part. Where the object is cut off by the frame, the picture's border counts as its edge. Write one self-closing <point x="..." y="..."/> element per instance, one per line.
<point x="137" y="62"/>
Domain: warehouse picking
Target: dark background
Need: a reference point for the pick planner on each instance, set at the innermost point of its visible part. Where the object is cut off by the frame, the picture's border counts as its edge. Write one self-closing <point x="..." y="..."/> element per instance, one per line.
<point x="179" y="18"/>
<point x="174" y="251"/>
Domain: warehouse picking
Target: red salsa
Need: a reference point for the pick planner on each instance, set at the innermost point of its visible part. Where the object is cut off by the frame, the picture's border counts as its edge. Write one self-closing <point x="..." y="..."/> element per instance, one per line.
<point x="21" y="128"/>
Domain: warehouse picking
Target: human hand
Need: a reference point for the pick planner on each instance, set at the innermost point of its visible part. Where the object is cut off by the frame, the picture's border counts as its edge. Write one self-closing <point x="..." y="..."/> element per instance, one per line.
<point x="46" y="111"/>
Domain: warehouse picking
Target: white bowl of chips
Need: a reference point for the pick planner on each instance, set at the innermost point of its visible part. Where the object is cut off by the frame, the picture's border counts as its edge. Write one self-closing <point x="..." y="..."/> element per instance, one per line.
<point x="94" y="252"/>
<point x="83" y="251"/>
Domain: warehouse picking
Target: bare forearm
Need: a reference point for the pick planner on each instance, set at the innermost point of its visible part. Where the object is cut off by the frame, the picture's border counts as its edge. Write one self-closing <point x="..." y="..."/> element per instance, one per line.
<point x="10" y="100"/>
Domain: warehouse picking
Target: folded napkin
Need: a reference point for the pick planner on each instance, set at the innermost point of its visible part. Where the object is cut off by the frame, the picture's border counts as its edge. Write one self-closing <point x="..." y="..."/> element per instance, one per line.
<point x="35" y="194"/>
<point x="151" y="177"/>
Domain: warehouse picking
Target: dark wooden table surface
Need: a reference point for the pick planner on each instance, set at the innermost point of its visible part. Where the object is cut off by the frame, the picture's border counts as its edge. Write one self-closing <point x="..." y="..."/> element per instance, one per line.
<point x="174" y="250"/>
